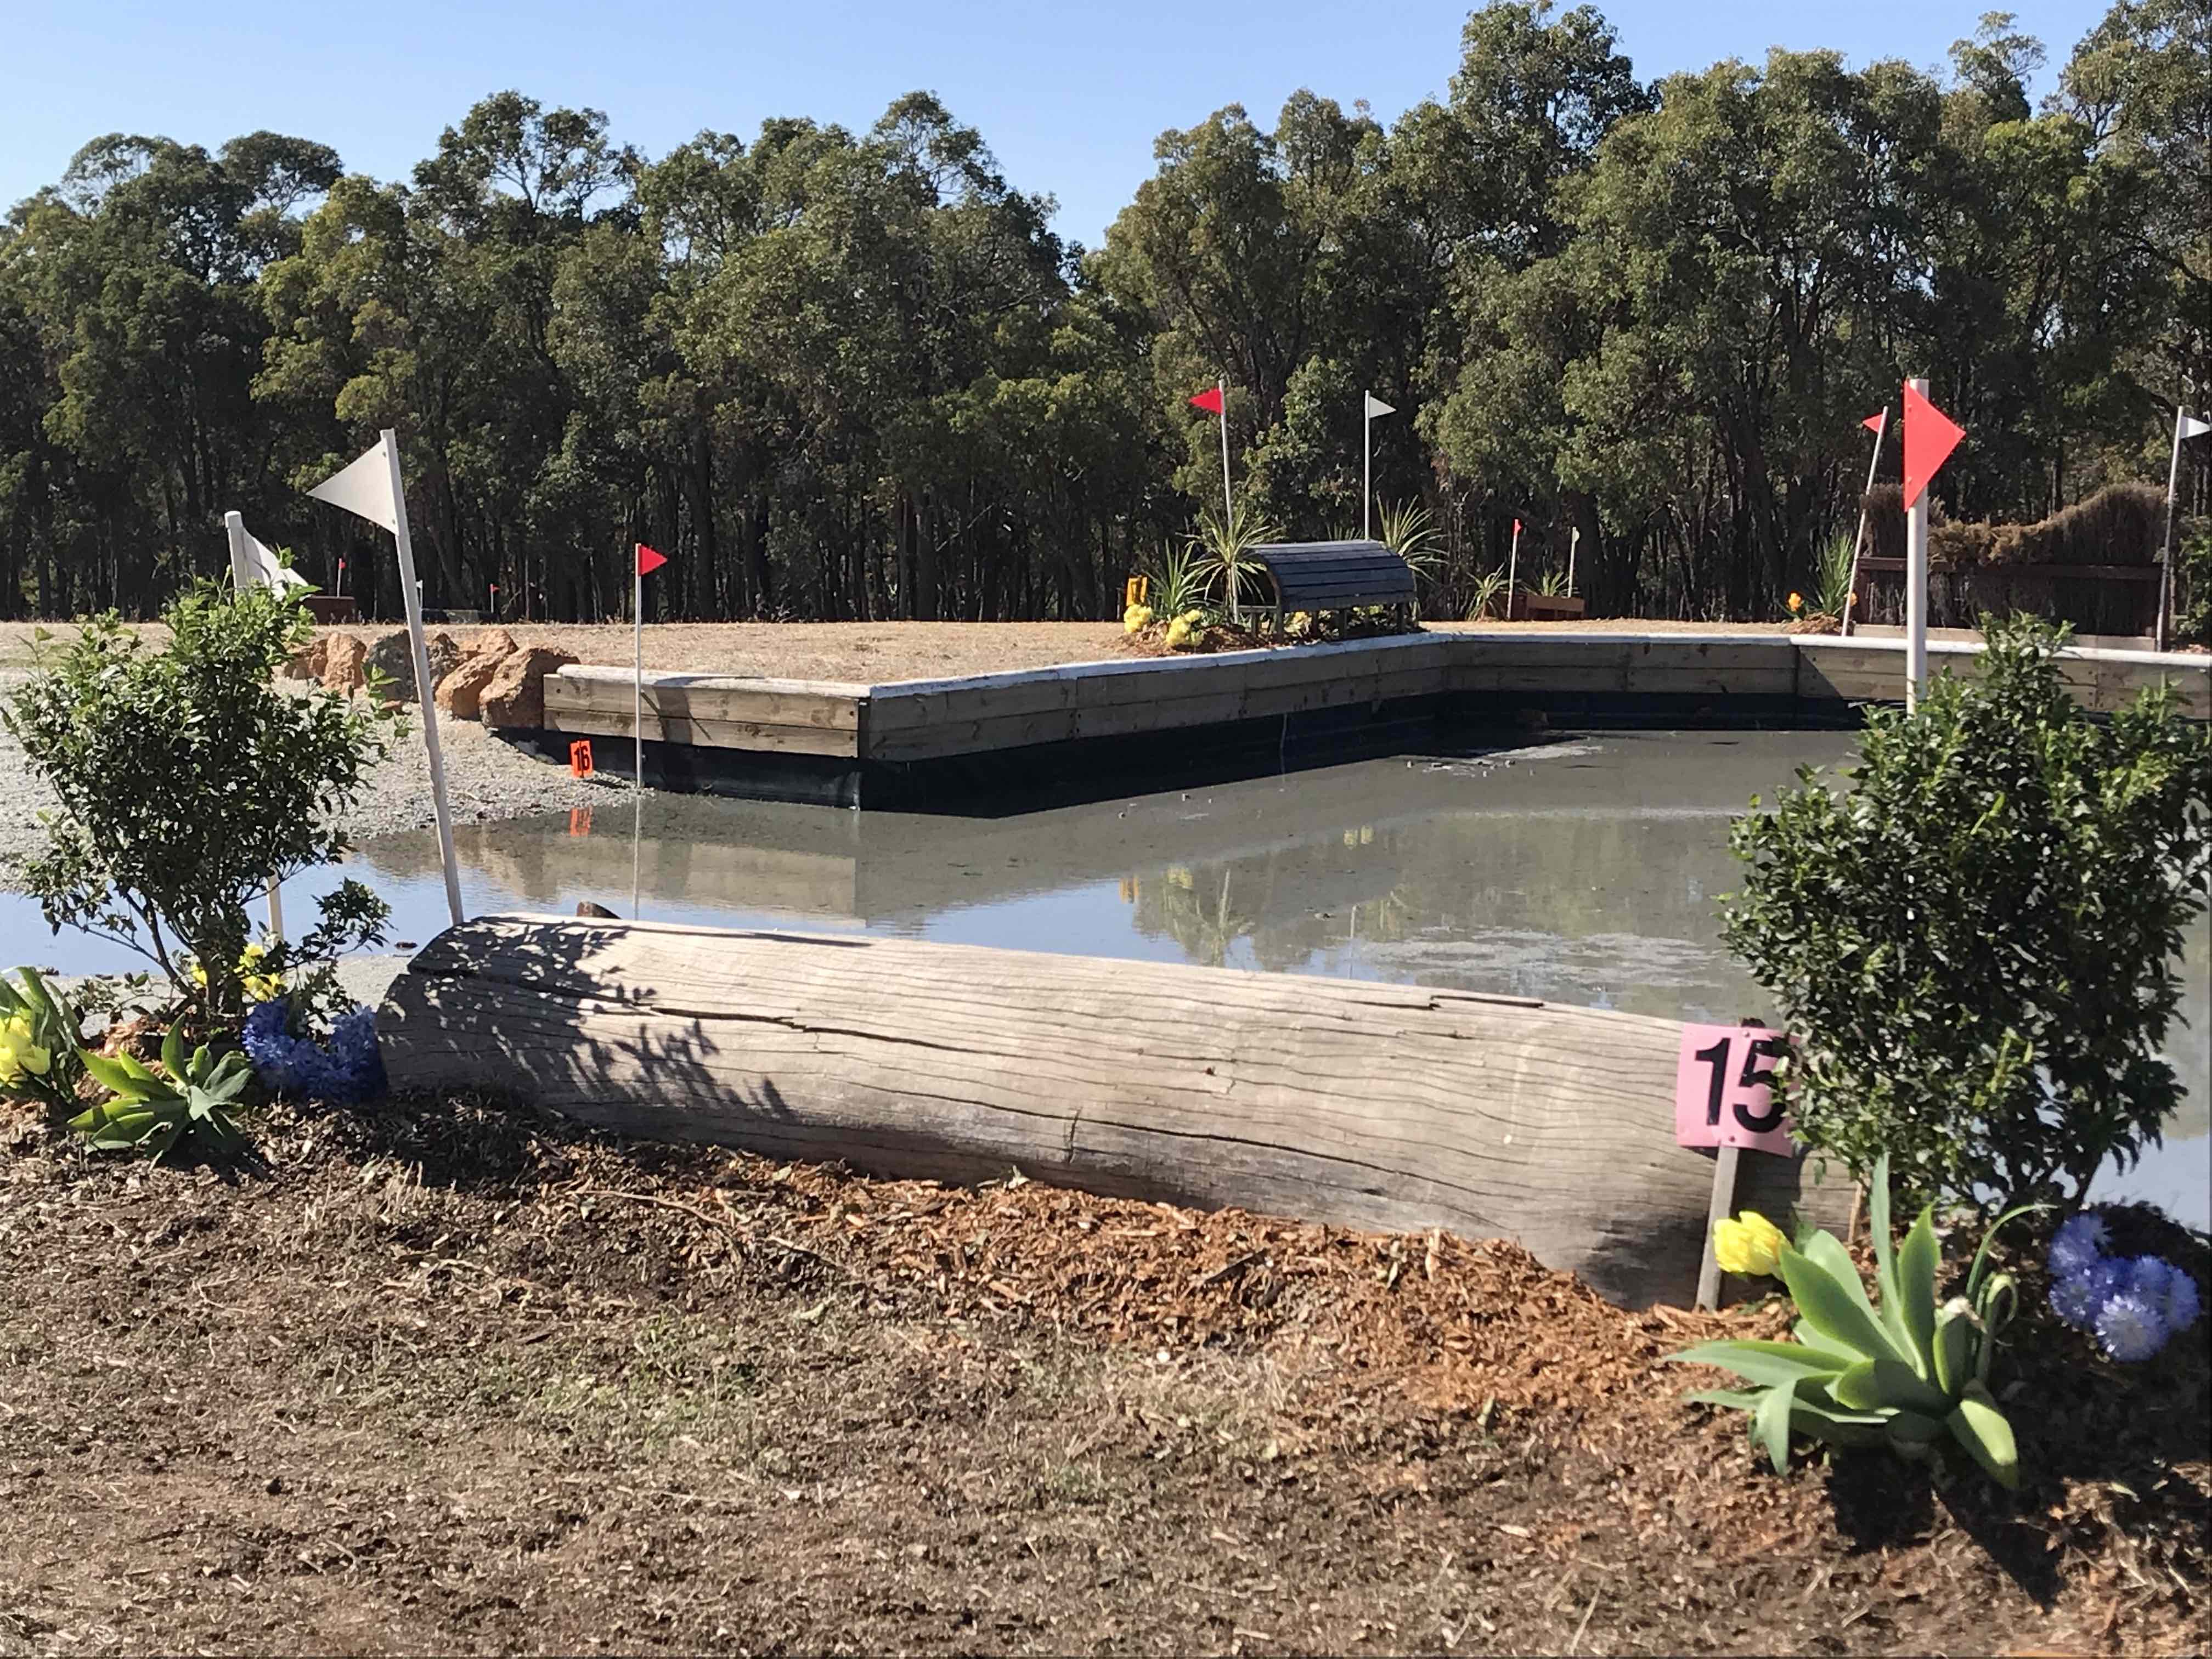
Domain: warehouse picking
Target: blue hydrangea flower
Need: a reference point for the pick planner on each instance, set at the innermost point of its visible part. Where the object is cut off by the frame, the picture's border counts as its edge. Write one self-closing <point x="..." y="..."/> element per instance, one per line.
<point x="2079" y="1245"/>
<point x="2078" y="1298"/>
<point x="2129" y="1328"/>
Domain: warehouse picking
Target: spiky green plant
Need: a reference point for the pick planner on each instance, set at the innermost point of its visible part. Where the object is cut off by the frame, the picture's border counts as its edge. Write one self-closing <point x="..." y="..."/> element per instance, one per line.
<point x="151" y="1111"/>
<point x="1835" y="574"/>
<point x="1225" y="547"/>
<point x="1178" y="581"/>
<point x="1410" y="532"/>
<point x="1552" y="585"/>
<point x="1906" y="1374"/>
<point x="1487" y="596"/>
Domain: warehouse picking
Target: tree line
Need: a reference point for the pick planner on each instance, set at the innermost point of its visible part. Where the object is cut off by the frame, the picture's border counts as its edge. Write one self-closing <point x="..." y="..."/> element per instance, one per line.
<point x="839" y="374"/>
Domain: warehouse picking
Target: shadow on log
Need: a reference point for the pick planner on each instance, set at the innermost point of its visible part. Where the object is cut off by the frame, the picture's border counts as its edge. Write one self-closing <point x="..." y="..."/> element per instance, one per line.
<point x="1389" y="1107"/>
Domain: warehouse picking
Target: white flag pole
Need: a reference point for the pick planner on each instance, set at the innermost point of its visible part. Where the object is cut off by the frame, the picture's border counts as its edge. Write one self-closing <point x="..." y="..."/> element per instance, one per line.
<point x="1858" y="536"/>
<point x="1367" y="463"/>
<point x="1512" y="569"/>
<point x="1574" y="541"/>
<point x="411" y="591"/>
<point x="1228" y="504"/>
<point x="2181" y="425"/>
<point x="637" y="652"/>
<point x="241" y="578"/>
<point x="1916" y="585"/>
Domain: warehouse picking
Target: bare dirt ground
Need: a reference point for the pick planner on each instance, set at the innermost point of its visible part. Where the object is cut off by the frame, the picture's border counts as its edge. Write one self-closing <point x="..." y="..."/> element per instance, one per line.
<point x="457" y="1379"/>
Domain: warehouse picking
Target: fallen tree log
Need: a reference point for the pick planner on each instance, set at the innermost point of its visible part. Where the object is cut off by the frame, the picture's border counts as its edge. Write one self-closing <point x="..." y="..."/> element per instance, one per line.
<point x="1391" y="1107"/>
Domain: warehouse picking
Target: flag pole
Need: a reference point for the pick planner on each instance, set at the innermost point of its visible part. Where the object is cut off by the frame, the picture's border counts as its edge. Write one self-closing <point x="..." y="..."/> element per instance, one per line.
<point x="1916" y="582"/>
<point x="637" y="654"/>
<point x="411" y="593"/>
<point x="1512" y="569"/>
<point x="1228" y="503"/>
<point x="2165" y="547"/>
<point x="241" y="578"/>
<point x="1574" y="541"/>
<point x="1858" y="536"/>
<point x="1366" y="462"/>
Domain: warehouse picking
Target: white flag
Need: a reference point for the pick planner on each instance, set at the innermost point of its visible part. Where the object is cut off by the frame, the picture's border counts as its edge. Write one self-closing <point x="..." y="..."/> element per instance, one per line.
<point x="363" y="488"/>
<point x="1377" y="406"/>
<point x="2191" y="427"/>
<point x="267" y="569"/>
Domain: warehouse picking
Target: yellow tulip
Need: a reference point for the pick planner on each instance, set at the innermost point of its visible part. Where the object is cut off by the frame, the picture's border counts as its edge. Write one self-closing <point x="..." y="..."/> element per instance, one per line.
<point x="20" y="1052"/>
<point x="1796" y="603"/>
<point x="1751" y="1245"/>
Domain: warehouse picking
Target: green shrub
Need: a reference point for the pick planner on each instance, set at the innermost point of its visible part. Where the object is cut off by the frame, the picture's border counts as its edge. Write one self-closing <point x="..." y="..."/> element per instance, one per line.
<point x="1975" y="938"/>
<point x="188" y="782"/>
<point x="2192" y="622"/>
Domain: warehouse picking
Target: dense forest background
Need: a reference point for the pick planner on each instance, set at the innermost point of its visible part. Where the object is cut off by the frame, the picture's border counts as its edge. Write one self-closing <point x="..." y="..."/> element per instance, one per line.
<point x="843" y="375"/>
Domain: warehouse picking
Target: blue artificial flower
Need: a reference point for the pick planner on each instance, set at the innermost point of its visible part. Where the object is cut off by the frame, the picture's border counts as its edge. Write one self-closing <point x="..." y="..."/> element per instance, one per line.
<point x="2129" y="1328"/>
<point x="2079" y="1245"/>
<point x="2150" y="1276"/>
<point x="2078" y="1298"/>
<point x="349" y="1068"/>
<point x="2182" y="1304"/>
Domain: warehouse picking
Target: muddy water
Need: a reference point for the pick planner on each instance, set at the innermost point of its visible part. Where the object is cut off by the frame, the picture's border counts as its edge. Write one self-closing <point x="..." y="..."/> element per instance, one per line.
<point x="1582" y="870"/>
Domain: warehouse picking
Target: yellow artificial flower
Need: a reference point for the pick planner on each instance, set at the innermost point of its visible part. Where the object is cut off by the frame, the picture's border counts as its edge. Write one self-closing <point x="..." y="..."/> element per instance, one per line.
<point x="1135" y="617"/>
<point x="20" y="1052"/>
<point x="259" y="987"/>
<point x="1796" y="603"/>
<point x="1178" y="634"/>
<point x="1750" y="1244"/>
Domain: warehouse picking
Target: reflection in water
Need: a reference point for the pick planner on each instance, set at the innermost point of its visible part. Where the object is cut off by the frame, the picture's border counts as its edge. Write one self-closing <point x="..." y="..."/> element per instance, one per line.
<point x="1580" y="872"/>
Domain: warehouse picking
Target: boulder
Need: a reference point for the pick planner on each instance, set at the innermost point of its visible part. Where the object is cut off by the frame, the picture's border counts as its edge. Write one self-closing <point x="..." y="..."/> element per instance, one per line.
<point x="344" y="662"/>
<point x="493" y="642"/>
<point x="460" y="693"/>
<point x="393" y="658"/>
<point x="516" y="695"/>
<point x="307" y="662"/>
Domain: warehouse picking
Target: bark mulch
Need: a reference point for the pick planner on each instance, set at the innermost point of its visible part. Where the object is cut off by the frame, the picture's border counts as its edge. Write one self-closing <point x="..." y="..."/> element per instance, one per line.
<point x="448" y="1376"/>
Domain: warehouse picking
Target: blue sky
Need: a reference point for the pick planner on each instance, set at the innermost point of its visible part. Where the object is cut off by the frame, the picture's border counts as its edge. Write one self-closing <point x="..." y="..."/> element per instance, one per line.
<point x="1070" y="96"/>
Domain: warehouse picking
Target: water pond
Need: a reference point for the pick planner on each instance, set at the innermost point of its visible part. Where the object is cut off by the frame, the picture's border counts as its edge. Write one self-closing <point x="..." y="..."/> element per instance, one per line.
<point x="1579" y="869"/>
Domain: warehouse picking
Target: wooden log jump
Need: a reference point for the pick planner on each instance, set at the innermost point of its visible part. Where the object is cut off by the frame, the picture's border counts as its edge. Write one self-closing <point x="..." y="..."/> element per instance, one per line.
<point x="1389" y="1107"/>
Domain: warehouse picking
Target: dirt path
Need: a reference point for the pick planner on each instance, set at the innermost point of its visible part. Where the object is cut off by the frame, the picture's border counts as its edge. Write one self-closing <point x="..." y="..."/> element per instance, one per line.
<point x="453" y="1380"/>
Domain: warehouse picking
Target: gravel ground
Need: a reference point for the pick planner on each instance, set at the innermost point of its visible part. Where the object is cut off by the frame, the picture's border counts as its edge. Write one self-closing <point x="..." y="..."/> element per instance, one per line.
<point x="486" y="778"/>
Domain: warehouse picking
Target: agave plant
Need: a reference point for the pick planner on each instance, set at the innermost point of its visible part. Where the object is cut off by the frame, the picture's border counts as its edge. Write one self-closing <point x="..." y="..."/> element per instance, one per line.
<point x="152" y="1113"/>
<point x="1904" y="1374"/>
<point x="1224" y="549"/>
<point x="1552" y="585"/>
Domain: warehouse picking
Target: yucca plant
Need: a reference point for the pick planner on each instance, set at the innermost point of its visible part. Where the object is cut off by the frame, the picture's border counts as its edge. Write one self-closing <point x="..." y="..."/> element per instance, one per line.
<point x="1552" y="584"/>
<point x="1177" y="581"/>
<point x="1487" y="596"/>
<point x="152" y="1113"/>
<point x="1410" y="532"/>
<point x="1224" y="549"/>
<point x="1835" y="575"/>
<point x="1904" y="1374"/>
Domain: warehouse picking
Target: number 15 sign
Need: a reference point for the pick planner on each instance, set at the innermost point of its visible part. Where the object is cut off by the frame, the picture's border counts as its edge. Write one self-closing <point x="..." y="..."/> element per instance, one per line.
<point x="1723" y="1089"/>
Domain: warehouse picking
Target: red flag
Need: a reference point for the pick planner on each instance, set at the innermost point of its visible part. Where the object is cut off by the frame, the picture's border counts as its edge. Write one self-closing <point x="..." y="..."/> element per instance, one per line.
<point x="1874" y="423"/>
<point x="1516" y="526"/>
<point x="1930" y="436"/>
<point x="1209" y="400"/>
<point x="647" y="560"/>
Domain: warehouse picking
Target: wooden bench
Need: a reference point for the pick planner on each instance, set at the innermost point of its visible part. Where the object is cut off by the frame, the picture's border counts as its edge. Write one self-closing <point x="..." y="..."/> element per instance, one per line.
<point x="1333" y="575"/>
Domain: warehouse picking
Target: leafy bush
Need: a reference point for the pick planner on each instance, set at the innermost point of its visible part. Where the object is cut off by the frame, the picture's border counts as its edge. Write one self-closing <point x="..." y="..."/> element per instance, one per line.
<point x="1904" y="1374"/>
<point x="151" y="1113"/>
<point x="1975" y="939"/>
<point x="38" y="1035"/>
<point x="188" y="783"/>
<point x="2192" y="622"/>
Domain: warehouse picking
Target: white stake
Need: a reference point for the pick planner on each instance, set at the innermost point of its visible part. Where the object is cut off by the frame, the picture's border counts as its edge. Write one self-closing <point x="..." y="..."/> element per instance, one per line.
<point x="1574" y="541"/>
<point x="1228" y="506"/>
<point x="410" y="590"/>
<point x="1512" y="569"/>
<point x="1915" y="587"/>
